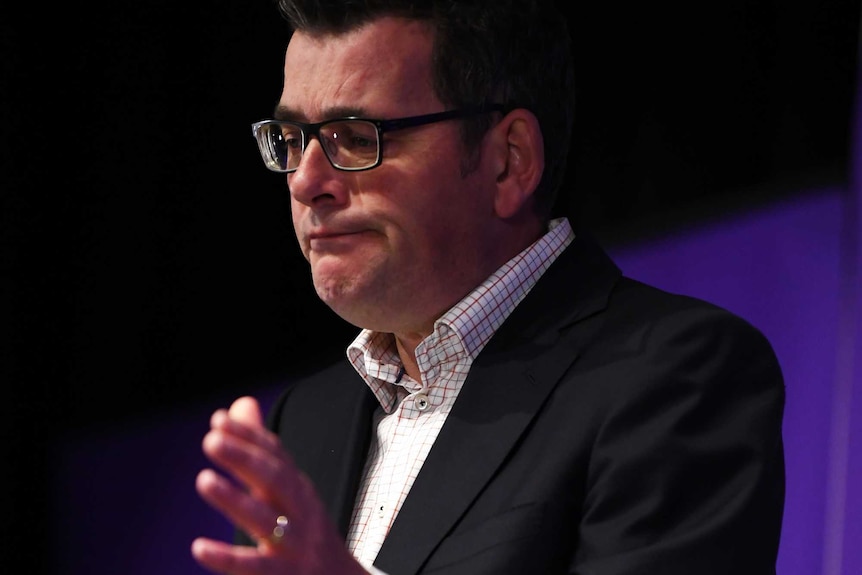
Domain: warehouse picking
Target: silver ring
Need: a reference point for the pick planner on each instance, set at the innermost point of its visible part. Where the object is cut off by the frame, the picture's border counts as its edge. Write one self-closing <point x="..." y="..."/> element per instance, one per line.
<point x="281" y="525"/>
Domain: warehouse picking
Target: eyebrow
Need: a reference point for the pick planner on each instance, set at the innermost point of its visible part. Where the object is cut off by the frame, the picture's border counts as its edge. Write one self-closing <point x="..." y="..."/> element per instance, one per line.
<point x="290" y="114"/>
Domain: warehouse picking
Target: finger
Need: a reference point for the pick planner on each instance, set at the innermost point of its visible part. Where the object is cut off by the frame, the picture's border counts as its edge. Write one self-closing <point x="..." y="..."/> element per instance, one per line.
<point x="269" y="475"/>
<point x="315" y="540"/>
<point x="254" y="434"/>
<point x="245" y="512"/>
<point x="230" y="559"/>
<point x="246" y="410"/>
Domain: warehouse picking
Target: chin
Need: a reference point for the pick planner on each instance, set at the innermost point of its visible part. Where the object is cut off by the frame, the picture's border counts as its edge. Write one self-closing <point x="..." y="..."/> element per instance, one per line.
<point x="341" y="295"/>
<point x="353" y="303"/>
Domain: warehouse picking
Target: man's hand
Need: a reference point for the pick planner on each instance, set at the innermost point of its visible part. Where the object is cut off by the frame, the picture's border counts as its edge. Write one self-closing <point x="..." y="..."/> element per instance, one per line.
<point x="271" y="487"/>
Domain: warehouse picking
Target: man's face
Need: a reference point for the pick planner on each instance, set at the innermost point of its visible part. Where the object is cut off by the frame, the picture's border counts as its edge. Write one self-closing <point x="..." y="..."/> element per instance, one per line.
<point x="394" y="247"/>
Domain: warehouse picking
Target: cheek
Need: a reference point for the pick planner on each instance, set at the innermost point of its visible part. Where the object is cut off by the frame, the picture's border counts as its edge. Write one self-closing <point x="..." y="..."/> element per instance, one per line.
<point x="436" y="236"/>
<point x="296" y="210"/>
<point x="295" y="214"/>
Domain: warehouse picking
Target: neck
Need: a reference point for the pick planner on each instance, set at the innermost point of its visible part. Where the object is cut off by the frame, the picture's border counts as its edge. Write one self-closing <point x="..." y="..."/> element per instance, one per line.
<point x="407" y="352"/>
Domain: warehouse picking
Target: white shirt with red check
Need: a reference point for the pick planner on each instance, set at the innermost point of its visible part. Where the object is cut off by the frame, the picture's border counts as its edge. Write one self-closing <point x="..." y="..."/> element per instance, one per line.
<point x="414" y="412"/>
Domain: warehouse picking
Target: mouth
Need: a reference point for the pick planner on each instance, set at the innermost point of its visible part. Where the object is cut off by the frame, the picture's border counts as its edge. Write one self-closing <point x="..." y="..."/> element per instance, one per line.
<point x="325" y="234"/>
<point x="334" y="240"/>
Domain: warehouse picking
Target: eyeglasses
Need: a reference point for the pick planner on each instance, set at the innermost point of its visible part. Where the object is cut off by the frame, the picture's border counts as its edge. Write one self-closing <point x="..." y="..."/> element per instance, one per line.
<point x="351" y="144"/>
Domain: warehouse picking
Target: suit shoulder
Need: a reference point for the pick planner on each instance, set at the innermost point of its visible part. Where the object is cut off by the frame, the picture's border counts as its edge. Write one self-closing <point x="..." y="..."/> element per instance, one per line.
<point x="651" y="305"/>
<point x="316" y="386"/>
<point x="656" y="321"/>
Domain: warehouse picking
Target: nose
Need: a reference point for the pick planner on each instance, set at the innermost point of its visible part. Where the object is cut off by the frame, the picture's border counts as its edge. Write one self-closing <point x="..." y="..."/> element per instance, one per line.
<point x="316" y="183"/>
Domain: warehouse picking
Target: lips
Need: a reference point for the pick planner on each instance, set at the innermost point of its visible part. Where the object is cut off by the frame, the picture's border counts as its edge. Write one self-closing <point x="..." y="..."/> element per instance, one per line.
<point x="336" y="232"/>
<point x="323" y="235"/>
<point x="334" y="240"/>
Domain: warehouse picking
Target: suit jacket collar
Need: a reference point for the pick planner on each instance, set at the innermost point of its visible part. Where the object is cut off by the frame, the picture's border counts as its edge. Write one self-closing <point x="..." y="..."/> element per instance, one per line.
<point x="507" y="386"/>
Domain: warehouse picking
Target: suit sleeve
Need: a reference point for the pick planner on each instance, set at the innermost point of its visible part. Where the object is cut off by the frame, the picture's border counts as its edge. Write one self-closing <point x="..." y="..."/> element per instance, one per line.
<point x="687" y="472"/>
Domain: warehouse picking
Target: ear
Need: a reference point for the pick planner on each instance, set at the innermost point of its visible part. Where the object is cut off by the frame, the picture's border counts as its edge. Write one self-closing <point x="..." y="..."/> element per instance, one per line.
<point x="519" y="161"/>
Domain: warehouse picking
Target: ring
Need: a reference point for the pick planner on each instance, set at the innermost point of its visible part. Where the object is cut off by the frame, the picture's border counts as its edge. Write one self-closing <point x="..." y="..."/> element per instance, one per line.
<point x="281" y="525"/>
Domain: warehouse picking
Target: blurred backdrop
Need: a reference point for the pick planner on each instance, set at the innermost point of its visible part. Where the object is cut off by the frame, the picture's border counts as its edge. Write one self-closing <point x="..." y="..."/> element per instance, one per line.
<point x="149" y="273"/>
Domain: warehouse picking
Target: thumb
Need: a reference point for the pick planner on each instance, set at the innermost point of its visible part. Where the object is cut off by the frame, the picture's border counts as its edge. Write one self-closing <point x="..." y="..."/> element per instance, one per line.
<point x="246" y="410"/>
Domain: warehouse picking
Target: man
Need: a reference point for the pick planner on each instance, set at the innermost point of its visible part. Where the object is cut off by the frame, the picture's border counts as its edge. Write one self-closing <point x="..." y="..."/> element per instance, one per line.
<point x="512" y="403"/>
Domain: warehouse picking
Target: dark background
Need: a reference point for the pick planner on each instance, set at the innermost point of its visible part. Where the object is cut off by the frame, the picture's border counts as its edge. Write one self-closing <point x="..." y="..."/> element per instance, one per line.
<point x="147" y="259"/>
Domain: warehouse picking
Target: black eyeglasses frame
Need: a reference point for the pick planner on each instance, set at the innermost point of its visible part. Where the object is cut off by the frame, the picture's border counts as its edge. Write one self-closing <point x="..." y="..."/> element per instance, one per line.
<point x="382" y="126"/>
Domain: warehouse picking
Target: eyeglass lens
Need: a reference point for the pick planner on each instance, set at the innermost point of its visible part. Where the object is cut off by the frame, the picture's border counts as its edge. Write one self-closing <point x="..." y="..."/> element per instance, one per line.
<point x="349" y="144"/>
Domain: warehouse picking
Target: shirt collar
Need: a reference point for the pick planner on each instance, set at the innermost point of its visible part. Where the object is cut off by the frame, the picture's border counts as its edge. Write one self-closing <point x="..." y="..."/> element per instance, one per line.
<point x="467" y="326"/>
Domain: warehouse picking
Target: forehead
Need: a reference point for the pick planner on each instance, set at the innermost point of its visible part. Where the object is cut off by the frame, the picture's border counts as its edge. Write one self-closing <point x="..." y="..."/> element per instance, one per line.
<point x="382" y="68"/>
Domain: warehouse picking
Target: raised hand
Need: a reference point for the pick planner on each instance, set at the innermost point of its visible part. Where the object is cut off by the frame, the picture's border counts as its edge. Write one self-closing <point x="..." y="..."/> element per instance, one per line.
<point x="264" y="495"/>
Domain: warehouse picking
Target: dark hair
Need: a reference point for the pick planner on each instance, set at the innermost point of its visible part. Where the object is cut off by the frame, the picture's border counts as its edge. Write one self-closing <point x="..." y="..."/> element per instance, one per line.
<point x="512" y="52"/>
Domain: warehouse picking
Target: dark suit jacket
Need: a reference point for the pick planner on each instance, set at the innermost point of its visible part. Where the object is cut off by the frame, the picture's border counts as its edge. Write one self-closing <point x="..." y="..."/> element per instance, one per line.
<point x="608" y="428"/>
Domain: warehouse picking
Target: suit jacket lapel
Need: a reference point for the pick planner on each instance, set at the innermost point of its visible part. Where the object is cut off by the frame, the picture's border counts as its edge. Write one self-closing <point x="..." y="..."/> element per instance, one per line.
<point x="340" y="482"/>
<point x="331" y="448"/>
<point x="507" y="386"/>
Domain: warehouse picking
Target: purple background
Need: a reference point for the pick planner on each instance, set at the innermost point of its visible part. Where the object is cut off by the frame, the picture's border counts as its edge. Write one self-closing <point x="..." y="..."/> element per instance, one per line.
<point x="123" y="496"/>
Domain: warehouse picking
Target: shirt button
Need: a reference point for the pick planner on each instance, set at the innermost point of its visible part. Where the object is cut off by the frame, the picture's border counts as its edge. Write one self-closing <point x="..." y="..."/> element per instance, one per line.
<point x="421" y="402"/>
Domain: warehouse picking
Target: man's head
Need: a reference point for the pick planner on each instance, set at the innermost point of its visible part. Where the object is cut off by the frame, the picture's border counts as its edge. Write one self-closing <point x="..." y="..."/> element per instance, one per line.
<point x="394" y="245"/>
<point x="513" y="52"/>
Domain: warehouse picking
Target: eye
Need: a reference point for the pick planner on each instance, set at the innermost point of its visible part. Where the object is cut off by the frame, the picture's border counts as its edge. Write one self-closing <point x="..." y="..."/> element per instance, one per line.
<point x="355" y="136"/>
<point x="291" y="136"/>
<point x="357" y="141"/>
